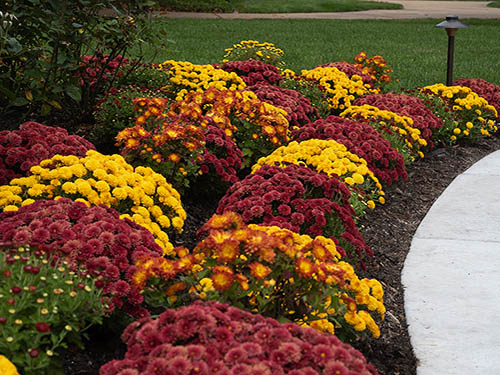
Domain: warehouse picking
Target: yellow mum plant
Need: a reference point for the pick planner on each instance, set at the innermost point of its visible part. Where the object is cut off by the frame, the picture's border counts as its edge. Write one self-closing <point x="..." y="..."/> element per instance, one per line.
<point x="476" y="116"/>
<point x="341" y="90"/>
<point x="139" y="194"/>
<point x="252" y="49"/>
<point x="398" y="130"/>
<point x="186" y="77"/>
<point x="331" y="157"/>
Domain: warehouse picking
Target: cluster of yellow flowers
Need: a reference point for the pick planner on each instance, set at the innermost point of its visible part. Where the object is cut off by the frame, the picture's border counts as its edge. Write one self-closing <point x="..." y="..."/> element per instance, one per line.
<point x="476" y="113"/>
<point x="330" y="157"/>
<point x="186" y="77"/>
<point x="340" y="89"/>
<point x="390" y="123"/>
<point x="253" y="49"/>
<point x="139" y="194"/>
<point x="359" y="296"/>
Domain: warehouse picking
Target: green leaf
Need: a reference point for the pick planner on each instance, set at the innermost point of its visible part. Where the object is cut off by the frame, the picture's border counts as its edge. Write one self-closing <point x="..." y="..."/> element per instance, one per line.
<point x="13" y="45"/>
<point x="74" y="92"/>
<point x="19" y="102"/>
<point x="45" y="109"/>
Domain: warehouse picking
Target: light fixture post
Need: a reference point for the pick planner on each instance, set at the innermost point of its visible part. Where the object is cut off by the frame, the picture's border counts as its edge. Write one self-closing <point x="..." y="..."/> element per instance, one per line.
<point x="451" y="25"/>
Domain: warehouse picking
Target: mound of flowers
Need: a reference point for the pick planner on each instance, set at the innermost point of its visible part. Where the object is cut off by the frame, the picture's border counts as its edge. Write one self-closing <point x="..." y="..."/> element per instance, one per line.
<point x="477" y="117"/>
<point x="33" y="142"/>
<point x="409" y="106"/>
<point x="256" y="126"/>
<point x="253" y="71"/>
<point x="340" y="90"/>
<point x="213" y="338"/>
<point x="332" y="158"/>
<point x="484" y="89"/>
<point x="297" y="198"/>
<point x="180" y="148"/>
<point x="298" y="108"/>
<point x="245" y="50"/>
<point x="398" y="130"/>
<point x="139" y="194"/>
<point x="45" y="305"/>
<point x="92" y="238"/>
<point x="376" y="67"/>
<point x="185" y="77"/>
<point x="360" y="139"/>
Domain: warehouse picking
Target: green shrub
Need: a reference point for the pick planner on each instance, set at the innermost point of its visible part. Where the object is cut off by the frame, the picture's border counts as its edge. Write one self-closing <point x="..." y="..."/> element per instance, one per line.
<point x="42" y="51"/>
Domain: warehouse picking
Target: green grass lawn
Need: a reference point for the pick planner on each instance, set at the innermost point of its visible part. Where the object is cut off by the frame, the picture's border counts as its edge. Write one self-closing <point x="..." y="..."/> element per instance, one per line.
<point x="275" y="6"/>
<point x="415" y="49"/>
<point x="494" y="4"/>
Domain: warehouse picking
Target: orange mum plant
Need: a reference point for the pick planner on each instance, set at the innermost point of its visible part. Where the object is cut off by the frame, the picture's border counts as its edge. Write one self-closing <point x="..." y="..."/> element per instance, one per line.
<point x="275" y="272"/>
<point x="257" y="127"/>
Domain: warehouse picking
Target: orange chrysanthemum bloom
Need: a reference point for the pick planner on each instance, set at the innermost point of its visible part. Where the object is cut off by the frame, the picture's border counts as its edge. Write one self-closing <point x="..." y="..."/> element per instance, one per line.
<point x="228" y="251"/>
<point x="304" y="267"/>
<point x="222" y="278"/>
<point x="259" y="271"/>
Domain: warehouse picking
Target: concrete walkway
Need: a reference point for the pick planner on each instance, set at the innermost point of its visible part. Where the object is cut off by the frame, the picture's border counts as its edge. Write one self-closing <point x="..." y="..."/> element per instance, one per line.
<point x="411" y="9"/>
<point x="452" y="279"/>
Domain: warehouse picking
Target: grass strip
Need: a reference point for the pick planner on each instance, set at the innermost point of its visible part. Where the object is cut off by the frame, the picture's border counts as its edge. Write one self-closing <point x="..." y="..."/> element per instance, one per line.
<point x="415" y="49"/>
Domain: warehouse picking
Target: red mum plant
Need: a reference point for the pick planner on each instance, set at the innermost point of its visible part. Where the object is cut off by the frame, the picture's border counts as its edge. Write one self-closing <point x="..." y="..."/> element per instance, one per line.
<point x="213" y="338"/>
<point x="94" y="238"/>
<point x="360" y="139"/>
<point x="301" y="200"/>
<point x="406" y="105"/>
<point x="253" y="71"/>
<point x="484" y="89"/>
<point x="96" y="69"/>
<point x="33" y="142"/>
<point x="299" y="109"/>
<point x="350" y="70"/>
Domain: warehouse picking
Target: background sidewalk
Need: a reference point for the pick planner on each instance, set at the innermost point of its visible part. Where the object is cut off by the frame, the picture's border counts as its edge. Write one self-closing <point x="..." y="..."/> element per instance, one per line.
<point x="411" y="9"/>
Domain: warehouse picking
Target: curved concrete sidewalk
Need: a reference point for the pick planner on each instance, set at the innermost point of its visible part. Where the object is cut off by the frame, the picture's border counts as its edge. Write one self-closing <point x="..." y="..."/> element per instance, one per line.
<point x="411" y="9"/>
<point x="452" y="278"/>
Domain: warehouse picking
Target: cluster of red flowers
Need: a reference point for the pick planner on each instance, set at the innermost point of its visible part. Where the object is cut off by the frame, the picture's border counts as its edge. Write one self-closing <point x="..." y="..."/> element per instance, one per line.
<point x="406" y="105"/>
<point x="350" y="70"/>
<point x="301" y="200"/>
<point x="96" y="68"/>
<point x="484" y="89"/>
<point x="221" y="155"/>
<point x="33" y="142"/>
<point x="93" y="237"/>
<point x="299" y="109"/>
<point x="212" y="338"/>
<point x="253" y="71"/>
<point x="360" y="139"/>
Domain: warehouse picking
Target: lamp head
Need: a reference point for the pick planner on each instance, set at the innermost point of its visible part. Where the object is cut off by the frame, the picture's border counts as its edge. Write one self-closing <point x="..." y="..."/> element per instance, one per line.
<point x="451" y="25"/>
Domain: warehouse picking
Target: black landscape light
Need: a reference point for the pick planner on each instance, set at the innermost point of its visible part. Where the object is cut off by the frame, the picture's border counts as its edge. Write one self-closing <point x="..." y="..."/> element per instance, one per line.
<point x="451" y="25"/>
